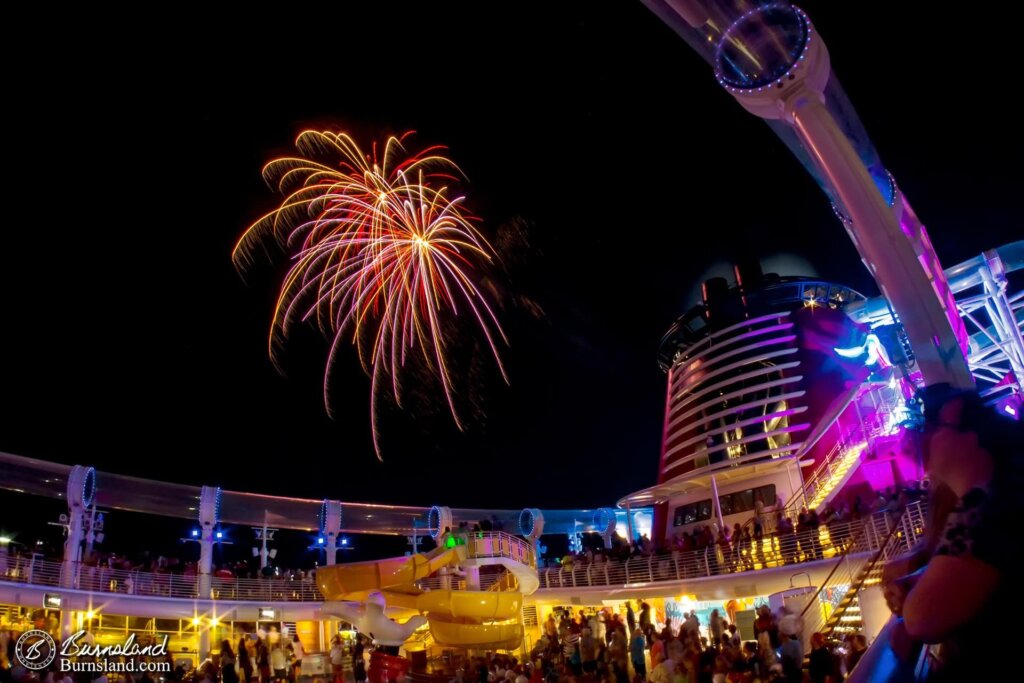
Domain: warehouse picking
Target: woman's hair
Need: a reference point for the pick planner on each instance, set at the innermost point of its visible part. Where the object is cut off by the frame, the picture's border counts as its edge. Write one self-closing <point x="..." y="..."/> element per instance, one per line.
<point x="225" y="648"/>
<point x="998" y="434"/>
<point x="242" y="652"/>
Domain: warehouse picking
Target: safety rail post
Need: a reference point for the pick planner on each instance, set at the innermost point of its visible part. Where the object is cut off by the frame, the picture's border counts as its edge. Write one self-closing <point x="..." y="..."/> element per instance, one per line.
<point x="872" y="535"/>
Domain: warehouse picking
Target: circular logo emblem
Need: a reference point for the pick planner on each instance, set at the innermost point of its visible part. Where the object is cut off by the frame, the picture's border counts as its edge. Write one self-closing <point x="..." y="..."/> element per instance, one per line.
<point x="35" y="649"/>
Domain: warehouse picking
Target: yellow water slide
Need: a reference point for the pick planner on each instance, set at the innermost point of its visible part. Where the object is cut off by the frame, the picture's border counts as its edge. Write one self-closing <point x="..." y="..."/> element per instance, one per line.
<point x="484" y="619"/>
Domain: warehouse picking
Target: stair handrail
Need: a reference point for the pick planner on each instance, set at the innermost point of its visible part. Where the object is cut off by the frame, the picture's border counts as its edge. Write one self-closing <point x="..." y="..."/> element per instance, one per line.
<point x="884" y="552"/>
<point x="421" y="636"/>
<point x="792" y="505"/>
<point x="507" y="582"/>
<point x="869" y="434"/>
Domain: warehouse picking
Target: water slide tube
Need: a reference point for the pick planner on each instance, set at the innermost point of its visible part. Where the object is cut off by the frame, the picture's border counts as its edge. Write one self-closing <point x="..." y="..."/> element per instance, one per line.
<point x="363" y="592"/>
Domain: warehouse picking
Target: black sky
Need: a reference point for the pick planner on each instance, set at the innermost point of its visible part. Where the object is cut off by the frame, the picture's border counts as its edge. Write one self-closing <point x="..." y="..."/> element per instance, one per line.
<point x="129" y="342"/>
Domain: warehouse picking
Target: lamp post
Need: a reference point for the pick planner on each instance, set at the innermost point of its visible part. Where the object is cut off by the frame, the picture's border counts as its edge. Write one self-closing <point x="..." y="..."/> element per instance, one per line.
<point x="93" y="528"/>
<point x="206" y="535"/>
<point x="4" y="542"/>
<point x="330" y="529"/>
<point x="209" y="515"/>
<point x="264" y="534"/>
<point x="81" y="491"/>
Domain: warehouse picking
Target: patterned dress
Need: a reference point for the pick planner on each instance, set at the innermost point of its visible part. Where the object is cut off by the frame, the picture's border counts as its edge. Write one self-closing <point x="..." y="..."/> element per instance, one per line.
<point x="980" y="529"/>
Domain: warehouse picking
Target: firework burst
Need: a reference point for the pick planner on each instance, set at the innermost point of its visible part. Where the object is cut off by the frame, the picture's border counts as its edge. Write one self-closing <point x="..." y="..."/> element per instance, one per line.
<point x="381" y="256"/>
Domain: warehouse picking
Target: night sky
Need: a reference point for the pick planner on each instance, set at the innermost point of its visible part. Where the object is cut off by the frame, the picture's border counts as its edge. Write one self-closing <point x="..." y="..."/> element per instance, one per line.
<point x="587" y="129"/>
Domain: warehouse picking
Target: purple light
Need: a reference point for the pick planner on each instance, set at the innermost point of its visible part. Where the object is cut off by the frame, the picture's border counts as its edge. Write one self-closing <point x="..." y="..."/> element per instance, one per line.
<point x="1011" y="405"/>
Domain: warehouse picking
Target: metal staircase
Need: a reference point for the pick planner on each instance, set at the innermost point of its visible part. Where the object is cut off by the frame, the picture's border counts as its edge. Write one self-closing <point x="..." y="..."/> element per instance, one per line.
<point x="854" y="570"/>
<point x="833" y="472"/>
<point x="505" y="581"/>
<point x="881" y="400"/>
<point x="421" y="639"/>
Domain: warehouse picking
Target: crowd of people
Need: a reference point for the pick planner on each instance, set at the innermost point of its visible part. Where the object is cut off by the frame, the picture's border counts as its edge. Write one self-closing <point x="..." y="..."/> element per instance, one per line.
<point x="960" y="585"/>
<point x="148" y="563"/>
<point x="601" y="647"/>
<point x="259" y="660"/>
<point x="159" y="575"/>
<point x="770" y="538"/>
<point x="256" y="658"/>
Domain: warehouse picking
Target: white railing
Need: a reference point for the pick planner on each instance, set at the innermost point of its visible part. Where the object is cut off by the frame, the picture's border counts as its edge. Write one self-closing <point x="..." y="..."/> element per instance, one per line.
<point x="34" y="571"/>
<point x="773" y="551"/>
<point x="486" y="544"/>
<point x="825" y="472"/>
<point x="778" y="550"/>
<point x="854" y="571"/>
<point x="884" y="401"/>
<point x="38" y="572"/>
<point x="457" y="583"/>
<point x="437" y="583"/>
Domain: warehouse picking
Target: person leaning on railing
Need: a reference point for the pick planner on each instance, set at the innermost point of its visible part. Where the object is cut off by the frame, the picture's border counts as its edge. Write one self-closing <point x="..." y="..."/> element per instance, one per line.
<point x="963" y="590"/>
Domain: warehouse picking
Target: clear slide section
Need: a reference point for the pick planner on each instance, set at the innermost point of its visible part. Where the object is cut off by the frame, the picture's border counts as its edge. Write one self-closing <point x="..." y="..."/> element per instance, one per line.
<point x="750" y="45"/>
